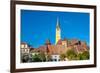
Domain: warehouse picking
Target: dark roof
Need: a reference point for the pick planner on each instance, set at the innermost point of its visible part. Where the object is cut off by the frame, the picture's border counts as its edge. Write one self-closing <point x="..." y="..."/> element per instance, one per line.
<point x="56" y="49"/>
<point x="23" y="43"/>
<point x="40" y="49"/>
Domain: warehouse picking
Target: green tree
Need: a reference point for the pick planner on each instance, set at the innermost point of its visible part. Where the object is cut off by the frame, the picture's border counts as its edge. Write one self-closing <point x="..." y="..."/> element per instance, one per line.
<point x="48" y="57"/>
<point x="36" y="58"/>
<point x="24" y="57"/>
<point x="42" y="56"/>
<point x="62" y="57"/>
<point x="71" y="54"/>
<point x="84" y="55"/>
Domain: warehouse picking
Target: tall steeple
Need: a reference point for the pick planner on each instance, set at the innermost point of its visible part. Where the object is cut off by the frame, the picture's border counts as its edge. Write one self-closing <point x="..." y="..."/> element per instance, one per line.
<point x="58" y="26"/>
<point x="58" y="31"/>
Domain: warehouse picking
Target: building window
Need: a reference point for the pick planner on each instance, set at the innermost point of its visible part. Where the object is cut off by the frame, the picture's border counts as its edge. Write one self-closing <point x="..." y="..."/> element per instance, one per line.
<point x="26" y="46"/>
<point x="22" y="46"/>
<point x="55" y="59"/>
<point x="25" y="50"/>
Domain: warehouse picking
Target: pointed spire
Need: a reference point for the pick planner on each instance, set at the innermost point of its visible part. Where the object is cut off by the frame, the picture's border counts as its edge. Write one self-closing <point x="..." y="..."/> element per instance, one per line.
<point x="57" y="21"/>
<point x="48" y="42"/>
<point x="57" y="26"/>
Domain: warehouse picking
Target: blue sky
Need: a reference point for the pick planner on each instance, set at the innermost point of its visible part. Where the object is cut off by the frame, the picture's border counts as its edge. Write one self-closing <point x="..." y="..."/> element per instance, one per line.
<point x="38" y="26"/>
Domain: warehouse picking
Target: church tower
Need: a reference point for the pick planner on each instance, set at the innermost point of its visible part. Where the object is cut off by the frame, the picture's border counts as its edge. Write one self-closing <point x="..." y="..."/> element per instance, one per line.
<point x="58" y="32"/>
